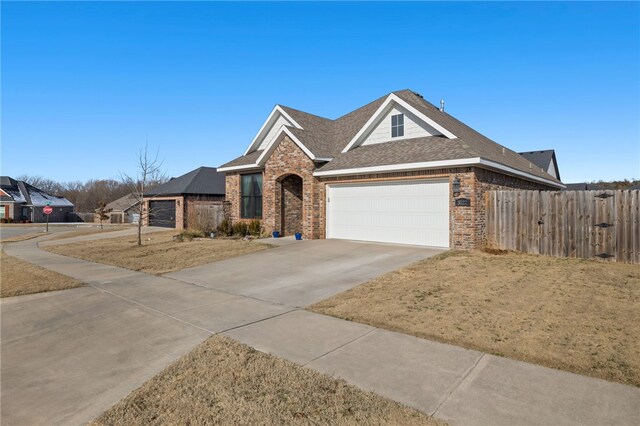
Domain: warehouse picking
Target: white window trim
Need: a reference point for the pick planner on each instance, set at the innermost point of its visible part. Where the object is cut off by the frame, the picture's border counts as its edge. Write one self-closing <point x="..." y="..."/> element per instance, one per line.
<point x="276" y="110"/>
<point x="376" y="116"/>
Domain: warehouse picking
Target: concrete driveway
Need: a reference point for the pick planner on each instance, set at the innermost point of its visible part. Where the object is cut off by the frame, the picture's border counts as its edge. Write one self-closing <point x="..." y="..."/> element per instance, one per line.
<point x="305" y="272"/>
<point x="69" y="355"/>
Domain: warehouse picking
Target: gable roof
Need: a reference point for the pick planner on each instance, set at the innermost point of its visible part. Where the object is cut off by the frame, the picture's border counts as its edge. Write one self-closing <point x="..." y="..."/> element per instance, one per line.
<point x="201" y="181"/>
<point x="334" y="141"/>
<point x="23" y="193"/>
<point x="543" y="159"/>
<point x="123" y="203"/>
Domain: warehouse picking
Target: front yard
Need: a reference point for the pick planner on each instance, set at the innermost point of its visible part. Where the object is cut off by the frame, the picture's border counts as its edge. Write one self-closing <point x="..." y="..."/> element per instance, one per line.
<point x="576" y="315"/>
<point x="226" y="382"/>
<point x="159" y="254"/>
<point x="18" y="277"/>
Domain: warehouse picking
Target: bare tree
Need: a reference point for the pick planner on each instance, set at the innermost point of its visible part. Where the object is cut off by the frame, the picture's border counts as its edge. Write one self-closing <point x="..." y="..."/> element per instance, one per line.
<point x="149" y="172"/>
<point x="103" y="213"/>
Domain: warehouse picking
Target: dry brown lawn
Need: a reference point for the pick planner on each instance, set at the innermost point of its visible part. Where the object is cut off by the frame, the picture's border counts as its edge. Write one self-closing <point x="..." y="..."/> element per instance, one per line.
<point x="226" y="382"/>
<point x="18" y="277"/>
<point x="159" y="253"/>
<point x="576" y="315"/>
<point x="80" y="232"/>
<point x="24" y="237"/>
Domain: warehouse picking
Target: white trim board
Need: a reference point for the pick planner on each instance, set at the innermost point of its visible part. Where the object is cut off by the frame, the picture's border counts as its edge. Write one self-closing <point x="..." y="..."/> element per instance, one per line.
<point x="381" y="110"/>
<point x="277" y="109"/>
<point x="475" y="161"/>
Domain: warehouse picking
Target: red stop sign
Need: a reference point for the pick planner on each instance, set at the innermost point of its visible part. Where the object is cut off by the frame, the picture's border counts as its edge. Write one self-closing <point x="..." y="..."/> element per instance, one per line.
<point x="47" y="210"/>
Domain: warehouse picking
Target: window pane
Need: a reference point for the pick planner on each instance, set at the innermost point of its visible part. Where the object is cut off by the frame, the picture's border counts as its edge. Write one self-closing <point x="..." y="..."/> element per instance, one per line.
<point x="400" y="119"/>
<point x="394" y="120"/>
<point x="394" y="132"/>
<point x="400" y="131"/>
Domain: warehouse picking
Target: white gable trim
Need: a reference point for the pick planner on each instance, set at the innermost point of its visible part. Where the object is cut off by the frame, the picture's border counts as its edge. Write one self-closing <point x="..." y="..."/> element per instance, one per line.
<point x="394" y="98"/>
<point x="264" y="129"/>
<point x="475" y="161"/>
<point x="269" y="148"/>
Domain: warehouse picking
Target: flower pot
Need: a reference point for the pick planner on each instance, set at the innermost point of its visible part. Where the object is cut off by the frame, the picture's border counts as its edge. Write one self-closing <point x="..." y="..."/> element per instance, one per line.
<point x="298" y="236"/>
<point x="275" y="234"/>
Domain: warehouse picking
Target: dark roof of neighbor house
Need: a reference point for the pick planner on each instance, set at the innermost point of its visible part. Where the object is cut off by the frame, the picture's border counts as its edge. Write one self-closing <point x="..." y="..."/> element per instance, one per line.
<point x="123" y="203"/>
<point x="327" y="138"/>
<point x="201" y="181"/>
<point x="582" y="186"/>
<point x="23" y="193"/>
<point x="542" y="159"/>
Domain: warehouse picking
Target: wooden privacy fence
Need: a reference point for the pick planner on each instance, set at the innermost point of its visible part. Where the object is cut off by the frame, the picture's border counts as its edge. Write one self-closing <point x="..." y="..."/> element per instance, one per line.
<point x="585" y="224"/>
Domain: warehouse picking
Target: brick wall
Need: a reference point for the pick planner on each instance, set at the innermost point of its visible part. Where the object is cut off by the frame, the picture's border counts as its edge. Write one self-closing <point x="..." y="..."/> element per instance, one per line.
<point x="467" y="225"/>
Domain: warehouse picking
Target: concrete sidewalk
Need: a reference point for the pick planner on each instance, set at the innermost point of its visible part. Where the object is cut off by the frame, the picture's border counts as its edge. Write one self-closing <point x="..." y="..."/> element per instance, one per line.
<point x="68" y="355"/>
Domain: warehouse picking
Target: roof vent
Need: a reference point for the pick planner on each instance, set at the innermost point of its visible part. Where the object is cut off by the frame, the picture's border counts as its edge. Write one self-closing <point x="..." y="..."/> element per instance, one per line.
<point x="504" y="151"/>
<point x="418" y="95"/>
<point x="441" y="105"/>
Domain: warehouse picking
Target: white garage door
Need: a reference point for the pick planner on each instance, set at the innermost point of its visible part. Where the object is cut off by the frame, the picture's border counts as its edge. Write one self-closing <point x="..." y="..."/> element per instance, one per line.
<point x="405" y="212"/>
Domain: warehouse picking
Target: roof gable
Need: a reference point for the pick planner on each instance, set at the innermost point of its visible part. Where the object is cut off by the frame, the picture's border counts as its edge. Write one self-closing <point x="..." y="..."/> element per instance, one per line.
<point x="390" y="102"/>
<point x="271" y="128"/>
<point x="545" y="159"/>
<point x="330" y="140"/>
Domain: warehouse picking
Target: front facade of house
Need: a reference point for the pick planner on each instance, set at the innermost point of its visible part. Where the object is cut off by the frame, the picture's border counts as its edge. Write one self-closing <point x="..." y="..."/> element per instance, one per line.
<point x="169" y="205"/>
<point x="21" y="202"/>
<point x="397" y="170"/>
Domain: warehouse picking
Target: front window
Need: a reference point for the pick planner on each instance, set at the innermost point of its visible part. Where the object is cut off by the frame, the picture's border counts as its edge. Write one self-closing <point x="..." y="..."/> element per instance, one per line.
<point x="397" y="125"/>
<point x="251" y="195"/>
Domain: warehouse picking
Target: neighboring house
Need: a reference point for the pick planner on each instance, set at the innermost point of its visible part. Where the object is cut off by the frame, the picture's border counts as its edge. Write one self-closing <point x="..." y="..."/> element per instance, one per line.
<point x="122" y="210"/>
<point x="544" y="159"/>
<point x="397" y="170"/>
<point x="168" y="204"/>
<point x="23" y="202"/>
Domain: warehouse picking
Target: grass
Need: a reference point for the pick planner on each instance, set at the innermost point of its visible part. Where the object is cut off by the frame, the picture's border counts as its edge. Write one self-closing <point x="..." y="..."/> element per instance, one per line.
<point x="24" y="237"/>
<point x="18" y="277"/>
<point x="80" y="232"/>
<point x="159" y="254"/>
<point x="226" y="382"/>
<point x="577" y="315"/>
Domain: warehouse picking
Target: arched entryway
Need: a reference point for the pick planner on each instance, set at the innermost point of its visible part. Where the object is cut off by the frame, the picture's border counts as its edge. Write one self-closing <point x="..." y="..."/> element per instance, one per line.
<point x="291" y="204"/>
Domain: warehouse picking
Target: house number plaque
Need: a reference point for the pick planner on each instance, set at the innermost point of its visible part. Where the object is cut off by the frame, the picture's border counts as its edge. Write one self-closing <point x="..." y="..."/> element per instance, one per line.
<point x="463" y="202"/>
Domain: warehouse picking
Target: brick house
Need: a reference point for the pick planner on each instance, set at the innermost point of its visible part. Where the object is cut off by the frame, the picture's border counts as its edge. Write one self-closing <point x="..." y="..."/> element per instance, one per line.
<point x="22" y="202"/>
<point x="397" y="170"/>
<point x="168" y="205"/>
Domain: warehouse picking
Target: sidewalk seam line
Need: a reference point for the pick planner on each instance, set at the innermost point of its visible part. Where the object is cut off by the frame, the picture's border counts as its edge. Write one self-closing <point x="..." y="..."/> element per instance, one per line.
<point x="339" y="347"/>
<point x="456" y="385"/>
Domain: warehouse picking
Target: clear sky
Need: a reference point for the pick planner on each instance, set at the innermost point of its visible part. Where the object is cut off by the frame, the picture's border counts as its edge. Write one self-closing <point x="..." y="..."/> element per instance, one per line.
<point x="84" y="85"/>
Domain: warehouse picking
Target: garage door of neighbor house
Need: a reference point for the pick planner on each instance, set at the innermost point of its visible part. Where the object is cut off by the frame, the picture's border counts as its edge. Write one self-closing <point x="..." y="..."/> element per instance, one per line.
<point x="162" y="213"/>
<point x="403" y="212"/>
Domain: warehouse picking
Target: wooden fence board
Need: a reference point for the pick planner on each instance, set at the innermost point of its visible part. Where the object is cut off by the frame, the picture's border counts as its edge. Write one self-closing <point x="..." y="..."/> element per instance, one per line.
<point x="566" y="224"/>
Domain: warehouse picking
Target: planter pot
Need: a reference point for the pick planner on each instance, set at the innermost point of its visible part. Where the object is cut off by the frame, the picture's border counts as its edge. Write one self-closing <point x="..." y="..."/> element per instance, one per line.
<point x="276" y="234"/>
<point x="298" y="236"/>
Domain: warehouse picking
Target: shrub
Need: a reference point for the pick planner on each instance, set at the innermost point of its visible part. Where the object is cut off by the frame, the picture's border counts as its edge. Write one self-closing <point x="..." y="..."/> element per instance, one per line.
<point x="189" y="234"/>
<point x="240" y="229"/>
<point x="255" y="228"/>
<point x="225" y="228"/>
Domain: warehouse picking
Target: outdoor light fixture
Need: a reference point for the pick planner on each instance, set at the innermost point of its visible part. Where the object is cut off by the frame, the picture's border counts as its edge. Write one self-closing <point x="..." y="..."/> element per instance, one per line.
<point x="455" y="186"/>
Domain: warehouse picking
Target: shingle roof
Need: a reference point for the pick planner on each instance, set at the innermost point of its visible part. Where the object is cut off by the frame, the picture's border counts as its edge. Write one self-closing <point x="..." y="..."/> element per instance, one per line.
<point x="22" y="192"/>
<point x="542" y="159"/>
<point x="201" y="181"/>
<point x="123" y="203"/>
<point x="431" y="148"/>
<point x="327" y="138"/>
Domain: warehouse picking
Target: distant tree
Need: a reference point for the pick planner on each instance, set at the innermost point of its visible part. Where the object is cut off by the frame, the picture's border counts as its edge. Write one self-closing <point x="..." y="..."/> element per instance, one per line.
<point x="149" y="173"/>
<point x="103" y="213"/>
<point x="47" y="185"/>
<point x="616" y="184"/>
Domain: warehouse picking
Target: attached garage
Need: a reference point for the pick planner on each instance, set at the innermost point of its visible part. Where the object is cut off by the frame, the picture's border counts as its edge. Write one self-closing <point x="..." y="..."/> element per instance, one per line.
<point x="162" y="213"/>
<point x="402" y="212"/>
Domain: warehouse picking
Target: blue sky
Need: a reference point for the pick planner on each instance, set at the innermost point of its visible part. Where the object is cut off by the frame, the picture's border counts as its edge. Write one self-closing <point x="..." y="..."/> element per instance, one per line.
<point x="84" y="85"/>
